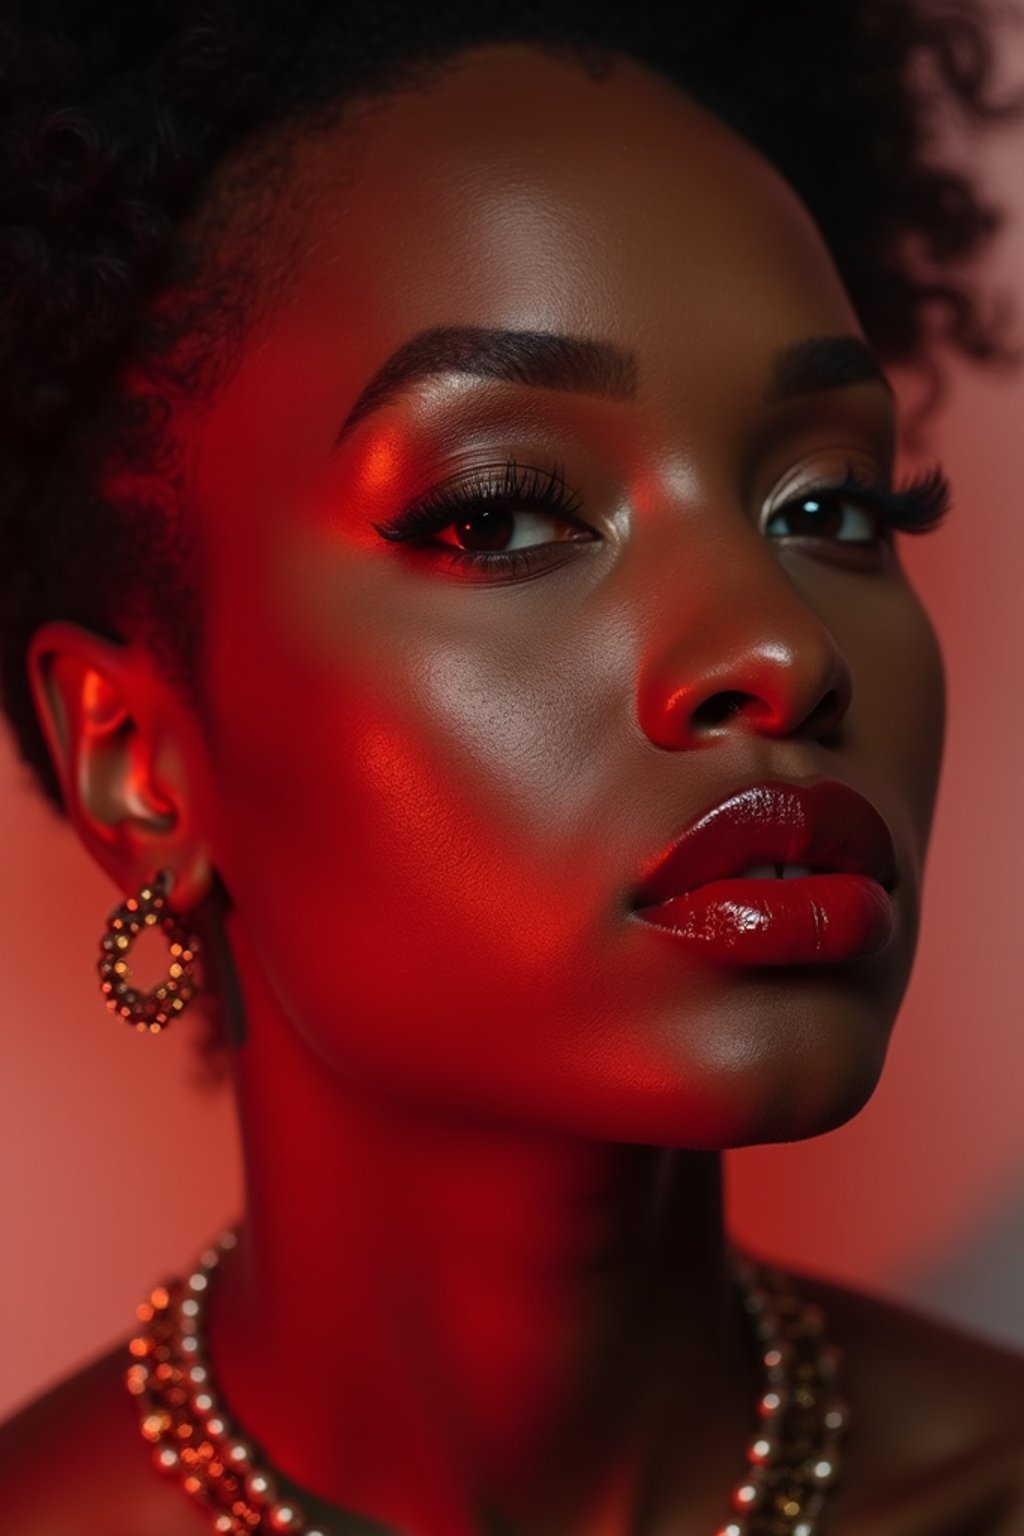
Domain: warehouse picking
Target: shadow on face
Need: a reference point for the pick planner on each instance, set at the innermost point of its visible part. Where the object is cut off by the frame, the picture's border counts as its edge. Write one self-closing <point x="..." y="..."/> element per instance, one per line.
<point x="513" y="569"/>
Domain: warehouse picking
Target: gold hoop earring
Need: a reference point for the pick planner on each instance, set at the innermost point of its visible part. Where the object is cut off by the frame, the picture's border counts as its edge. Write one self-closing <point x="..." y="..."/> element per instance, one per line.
<point x="152" y="1010"/>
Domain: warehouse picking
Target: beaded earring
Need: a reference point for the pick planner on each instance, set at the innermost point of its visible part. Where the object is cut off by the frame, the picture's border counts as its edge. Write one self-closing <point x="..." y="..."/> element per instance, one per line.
<point x="152" y="1010"/>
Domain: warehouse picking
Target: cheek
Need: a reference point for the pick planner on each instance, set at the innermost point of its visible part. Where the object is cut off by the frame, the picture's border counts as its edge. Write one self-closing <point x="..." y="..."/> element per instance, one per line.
<point x="899" y="669"/>
<point x="429" y="828"/>
<point x="411" y="827"/>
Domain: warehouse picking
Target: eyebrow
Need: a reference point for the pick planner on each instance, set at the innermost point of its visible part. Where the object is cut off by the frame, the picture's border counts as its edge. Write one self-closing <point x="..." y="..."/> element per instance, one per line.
<point x="550" y="360"/>
<point x="823" y="362"/>
<point x="543" y="359"/>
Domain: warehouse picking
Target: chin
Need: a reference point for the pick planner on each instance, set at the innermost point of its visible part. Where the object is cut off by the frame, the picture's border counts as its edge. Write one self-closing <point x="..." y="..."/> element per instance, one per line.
<point x="785" y="1070"/>
<point x="772" y="1124"/>
<point x="793" y="1101"/>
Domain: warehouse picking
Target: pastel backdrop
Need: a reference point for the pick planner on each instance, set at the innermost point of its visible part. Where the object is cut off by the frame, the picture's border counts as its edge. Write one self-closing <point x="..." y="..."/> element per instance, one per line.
<point x="115" y="1168"/>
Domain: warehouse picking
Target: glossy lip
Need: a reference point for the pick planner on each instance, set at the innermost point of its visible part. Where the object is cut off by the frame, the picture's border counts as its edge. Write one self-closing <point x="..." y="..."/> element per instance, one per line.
<point x="827" y="825"/>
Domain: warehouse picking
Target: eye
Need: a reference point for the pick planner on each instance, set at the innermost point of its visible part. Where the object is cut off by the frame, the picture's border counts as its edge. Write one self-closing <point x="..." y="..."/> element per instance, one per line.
<point x="864" y="513"/>
<point x="506" y="529"/>
<point x="501" y="520"/>
<point x="826" y="514"/>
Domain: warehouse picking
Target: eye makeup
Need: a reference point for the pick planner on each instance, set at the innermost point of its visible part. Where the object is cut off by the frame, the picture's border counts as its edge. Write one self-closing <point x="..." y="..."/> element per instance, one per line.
<point x="482" y="505"/>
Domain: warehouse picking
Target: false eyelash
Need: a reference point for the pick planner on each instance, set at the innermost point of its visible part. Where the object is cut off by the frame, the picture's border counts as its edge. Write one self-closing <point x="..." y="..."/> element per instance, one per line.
<point x="918" y="507"/>
<point x="518" y="486"/>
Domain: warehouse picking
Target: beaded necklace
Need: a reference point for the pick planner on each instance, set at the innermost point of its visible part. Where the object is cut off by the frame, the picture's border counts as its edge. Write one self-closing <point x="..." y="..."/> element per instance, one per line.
<point x="792" y="1456"/>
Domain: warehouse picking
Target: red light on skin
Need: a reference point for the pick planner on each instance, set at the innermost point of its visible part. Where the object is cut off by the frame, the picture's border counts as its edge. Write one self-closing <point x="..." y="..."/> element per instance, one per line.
<point x="367" y="482"/>
<point x="379" y="466"/>
<point x="103" y="706"/>
<point x="468" y="1076"/>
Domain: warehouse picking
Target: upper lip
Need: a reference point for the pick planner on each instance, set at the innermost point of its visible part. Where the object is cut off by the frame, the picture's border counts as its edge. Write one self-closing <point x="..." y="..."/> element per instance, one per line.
<point x="826" y="824"/>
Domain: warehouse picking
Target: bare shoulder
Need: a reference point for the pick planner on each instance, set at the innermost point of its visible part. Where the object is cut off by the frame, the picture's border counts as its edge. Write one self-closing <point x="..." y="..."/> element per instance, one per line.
<point x="72" y="1463"/>
<point x="936" y="1440"/>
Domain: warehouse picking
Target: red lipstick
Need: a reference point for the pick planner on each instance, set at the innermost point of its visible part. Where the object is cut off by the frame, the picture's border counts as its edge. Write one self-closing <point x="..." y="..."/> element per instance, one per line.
<point x="697" y="892"/>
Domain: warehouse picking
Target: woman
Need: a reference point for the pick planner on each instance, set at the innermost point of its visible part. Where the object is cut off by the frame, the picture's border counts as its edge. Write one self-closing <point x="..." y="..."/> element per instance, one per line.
<point x="471" y="456"/>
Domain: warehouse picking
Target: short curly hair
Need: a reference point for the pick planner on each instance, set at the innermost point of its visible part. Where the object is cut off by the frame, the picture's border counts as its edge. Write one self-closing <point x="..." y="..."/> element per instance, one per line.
<point x="117" y="123"/>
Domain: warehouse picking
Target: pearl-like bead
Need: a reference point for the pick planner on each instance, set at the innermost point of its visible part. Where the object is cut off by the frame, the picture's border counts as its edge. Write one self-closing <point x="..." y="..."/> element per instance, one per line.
<point x="285" y="1516"/>
<point x="238" y="1453"/>
<point x="761" y="1449"/>
<point x="746" y="1495"/>
<point x="261" y="1487"/>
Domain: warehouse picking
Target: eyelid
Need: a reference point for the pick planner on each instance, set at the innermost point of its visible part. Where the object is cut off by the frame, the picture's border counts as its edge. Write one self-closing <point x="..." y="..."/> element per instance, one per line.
<point x="538" y="489"/>
<point x="917" y="506"/>
<point x="827" y="472"/>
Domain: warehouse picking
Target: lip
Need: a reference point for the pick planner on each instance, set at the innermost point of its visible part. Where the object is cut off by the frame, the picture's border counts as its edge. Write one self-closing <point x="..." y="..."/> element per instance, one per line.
<point x="843" y="909"/>
<point x="826" y="824"/>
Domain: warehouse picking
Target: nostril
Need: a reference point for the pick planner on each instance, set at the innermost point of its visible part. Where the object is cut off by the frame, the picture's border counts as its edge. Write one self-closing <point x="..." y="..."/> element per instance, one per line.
<point x="719" y="708"/>
<point x="823" y="721"/>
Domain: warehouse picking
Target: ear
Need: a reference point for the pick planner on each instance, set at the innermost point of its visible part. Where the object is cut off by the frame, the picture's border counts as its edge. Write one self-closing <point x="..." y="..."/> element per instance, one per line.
<point x="129" y="756"/>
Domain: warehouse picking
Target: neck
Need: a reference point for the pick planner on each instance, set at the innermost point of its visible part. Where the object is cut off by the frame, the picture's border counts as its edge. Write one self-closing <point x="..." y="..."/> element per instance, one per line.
<point x="448" y="1327"/>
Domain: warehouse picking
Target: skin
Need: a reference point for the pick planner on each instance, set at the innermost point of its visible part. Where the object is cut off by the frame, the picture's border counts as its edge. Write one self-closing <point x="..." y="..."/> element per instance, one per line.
<point x="482" y="1282"/>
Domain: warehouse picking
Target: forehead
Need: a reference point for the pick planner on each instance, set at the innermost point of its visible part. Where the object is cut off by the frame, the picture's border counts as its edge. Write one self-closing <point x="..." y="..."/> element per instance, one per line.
<point x="513" y="174"/>
<point x="513" y="188"/>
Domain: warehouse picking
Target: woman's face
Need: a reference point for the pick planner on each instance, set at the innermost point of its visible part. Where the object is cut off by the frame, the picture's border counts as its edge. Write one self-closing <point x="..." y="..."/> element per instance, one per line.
<point x="435" y="782"/>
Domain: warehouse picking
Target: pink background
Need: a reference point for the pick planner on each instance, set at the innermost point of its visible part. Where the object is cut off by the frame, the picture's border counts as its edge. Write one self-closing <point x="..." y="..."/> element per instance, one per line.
<point x="114" y="1169"/>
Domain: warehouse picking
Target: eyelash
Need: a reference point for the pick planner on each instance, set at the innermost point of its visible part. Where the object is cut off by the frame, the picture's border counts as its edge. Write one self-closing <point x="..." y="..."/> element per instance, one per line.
<point x="920" y="506"/>
<point x="505" y="487"/>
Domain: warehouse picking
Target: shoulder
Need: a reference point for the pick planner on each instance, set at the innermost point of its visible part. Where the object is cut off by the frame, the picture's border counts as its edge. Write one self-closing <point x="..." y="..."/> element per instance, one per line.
<point x="936" y="1439"/>
<point x="935" y="1448"/>
<point x="73" y="1463"/>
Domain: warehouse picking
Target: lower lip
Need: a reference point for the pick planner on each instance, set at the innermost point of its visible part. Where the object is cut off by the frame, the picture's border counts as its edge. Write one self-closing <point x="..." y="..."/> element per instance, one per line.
<point x="809" y="920"/>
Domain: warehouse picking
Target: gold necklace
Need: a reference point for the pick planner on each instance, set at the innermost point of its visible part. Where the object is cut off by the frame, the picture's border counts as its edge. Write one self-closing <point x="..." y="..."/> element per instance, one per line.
<point x="792" y="1456"/>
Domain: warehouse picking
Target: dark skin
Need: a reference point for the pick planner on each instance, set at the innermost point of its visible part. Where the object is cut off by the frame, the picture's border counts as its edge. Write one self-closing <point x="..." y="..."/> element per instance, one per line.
<point x="482" y="1283"/>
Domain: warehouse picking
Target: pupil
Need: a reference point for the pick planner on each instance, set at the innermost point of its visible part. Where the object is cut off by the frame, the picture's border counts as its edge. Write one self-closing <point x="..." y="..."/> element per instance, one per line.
<point x="813" y="515"/>
<point x="490" y="528"/>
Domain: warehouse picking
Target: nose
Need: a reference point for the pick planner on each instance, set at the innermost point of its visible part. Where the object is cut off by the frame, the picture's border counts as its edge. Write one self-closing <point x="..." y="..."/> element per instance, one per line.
<point x="740" y="642"/>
